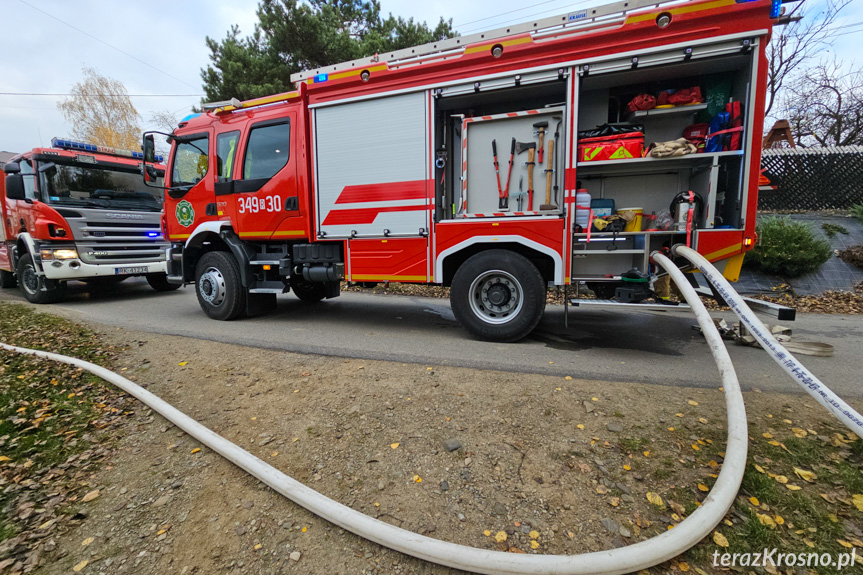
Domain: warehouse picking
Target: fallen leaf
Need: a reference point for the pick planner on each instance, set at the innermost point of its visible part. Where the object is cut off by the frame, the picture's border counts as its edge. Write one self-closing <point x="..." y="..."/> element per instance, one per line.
<point x="655" y="499"/>
<point x="87" y="541"/>
<point x="691" y="402"/>
<point x="90" y="496"/>
<point x="754" y="501"/>
<point x="258" y="546"/>
<point x="792" y="487"/>
<point x="196" y="450"/>
<point x="781" y="479"/>
<point x="487" y="533"/>
<point x="647" y="454"/>
<point x="184" y="363"/>
<point x="627" y="467"/>
<point x="601" y="489"/>
<point x="799" y="432"/>
<point x="515" y="550"/>
<point x="534" y="544"/>
<point x="580" y="426"/>
<point x="4" y="458"/>
<point x="767" y="435"/>
<point x="534" y="534"/>
<point x="500" y="536"/>
<point x="683" y="565"/>
<point x="594" y="399"/>
<point x="766" y="520"/>
<point x="759" y="469"/>
<point x="568" y="377"/>
<point x="679" y="414"/>
<point x="845" y="543"/>
<point x="702" y="487"/>
<point x="670" y="429"/>
<point x="702" y="420"/>
<point x="417" y="479"/>
<point x="779" y="520"/>
<point x="394" y="445"/>
<point x="695" y="447"/>
<point x="858" y="501"/>
<point x="807" y="476"/>
<point x="614" y="501"/>
<point x="80" y="566"/>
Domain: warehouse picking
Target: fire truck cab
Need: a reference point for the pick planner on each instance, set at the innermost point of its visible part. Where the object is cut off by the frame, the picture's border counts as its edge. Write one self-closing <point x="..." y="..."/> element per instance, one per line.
<point x="78" y="211"/>
<point x="494" y="163"/>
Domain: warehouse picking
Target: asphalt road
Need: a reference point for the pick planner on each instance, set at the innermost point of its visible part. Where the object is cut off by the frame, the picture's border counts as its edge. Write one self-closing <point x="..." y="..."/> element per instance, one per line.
<point x="612" y="345"/>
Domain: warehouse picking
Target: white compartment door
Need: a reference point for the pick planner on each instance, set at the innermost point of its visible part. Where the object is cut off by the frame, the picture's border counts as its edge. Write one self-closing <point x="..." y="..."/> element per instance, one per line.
<point x="372" y="167"/>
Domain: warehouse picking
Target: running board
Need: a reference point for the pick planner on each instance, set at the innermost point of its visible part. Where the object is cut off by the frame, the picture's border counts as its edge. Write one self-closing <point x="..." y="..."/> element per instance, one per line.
<point x="613" y="303"/>
<point x="780" y="312"/>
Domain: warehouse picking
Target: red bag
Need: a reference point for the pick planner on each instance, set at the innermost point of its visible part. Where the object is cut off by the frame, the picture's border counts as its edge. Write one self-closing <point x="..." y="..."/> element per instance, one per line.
<point x="736" y="120"/>
<point x="614" y="147"/>
<point x="685" y="96"/>
<point x="641" y="102"/>
<point x="696" y="134"/>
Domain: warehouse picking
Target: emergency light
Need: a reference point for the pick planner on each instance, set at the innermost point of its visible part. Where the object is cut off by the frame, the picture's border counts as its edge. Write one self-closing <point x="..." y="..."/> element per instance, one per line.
<point x="107" y="150"/>
<point x="775" y="6"/>
<point x="321" y="78"/>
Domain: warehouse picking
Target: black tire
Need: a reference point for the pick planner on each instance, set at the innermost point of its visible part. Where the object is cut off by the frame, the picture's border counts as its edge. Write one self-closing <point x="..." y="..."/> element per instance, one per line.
<point x="498" y="295"/>
<point x="159" y="282"/>
<point x="31" y="283"/>
<point x="217" y="284"/>
<point x="7" y="279"/>
<point x="309" y="292"/>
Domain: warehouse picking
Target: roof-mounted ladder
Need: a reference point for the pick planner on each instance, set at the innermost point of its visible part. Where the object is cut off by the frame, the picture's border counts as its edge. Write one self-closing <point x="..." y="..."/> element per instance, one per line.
<point x="608" y="14"/>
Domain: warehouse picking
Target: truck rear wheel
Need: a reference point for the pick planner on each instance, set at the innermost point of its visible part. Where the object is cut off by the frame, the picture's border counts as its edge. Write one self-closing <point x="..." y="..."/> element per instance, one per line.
<point x="217" y="283"/>
<point x="159" y="282"/>
<point x="498" y="295"/>
<point x="32" y="284"/>
<point x="7" y="279"/>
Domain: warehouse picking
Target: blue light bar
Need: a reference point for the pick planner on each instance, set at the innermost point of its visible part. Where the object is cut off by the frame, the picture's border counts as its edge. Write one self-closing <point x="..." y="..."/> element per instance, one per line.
<point x="62" y="144"/>
<point x="153" y="234"/>
<point x="775" y="8"/>
<point x="321" y="78"/>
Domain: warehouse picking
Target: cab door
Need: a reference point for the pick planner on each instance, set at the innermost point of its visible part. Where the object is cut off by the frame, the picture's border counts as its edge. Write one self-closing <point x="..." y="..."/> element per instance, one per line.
<point x="190" y="196"/>
<point x="265" y="188"/>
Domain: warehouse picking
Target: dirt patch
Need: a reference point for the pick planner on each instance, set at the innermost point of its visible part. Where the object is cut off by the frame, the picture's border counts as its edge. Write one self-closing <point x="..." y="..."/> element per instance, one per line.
<point x="550" y="464"/>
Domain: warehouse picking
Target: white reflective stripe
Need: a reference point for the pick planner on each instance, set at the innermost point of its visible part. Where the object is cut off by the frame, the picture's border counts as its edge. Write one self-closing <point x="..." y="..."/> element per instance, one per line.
<point x="214" y="227"/>
<point x="493" y="240"/>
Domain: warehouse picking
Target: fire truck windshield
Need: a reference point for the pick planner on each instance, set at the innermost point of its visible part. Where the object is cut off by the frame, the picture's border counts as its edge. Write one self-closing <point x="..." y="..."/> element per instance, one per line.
<point x="113" y="186"/>
<point x="190" y="161"/>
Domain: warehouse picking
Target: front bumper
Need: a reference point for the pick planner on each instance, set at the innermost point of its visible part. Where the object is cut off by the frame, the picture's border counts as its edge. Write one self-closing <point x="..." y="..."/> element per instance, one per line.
<point x="75" y="269"/>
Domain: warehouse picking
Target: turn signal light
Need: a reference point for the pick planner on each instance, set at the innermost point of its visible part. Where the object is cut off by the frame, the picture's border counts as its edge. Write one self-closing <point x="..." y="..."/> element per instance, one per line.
<point x="747" y="241"/>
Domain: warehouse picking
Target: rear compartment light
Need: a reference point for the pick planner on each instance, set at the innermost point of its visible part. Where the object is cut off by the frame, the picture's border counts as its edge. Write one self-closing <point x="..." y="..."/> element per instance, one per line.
<point x="663" y="20"/>
<point x="497" y="51"/>
<point x="365" y="75"/>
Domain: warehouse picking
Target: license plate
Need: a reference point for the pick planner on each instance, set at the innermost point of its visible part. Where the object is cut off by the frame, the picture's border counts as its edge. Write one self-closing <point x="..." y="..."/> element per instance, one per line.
<point x="128" y="271"/>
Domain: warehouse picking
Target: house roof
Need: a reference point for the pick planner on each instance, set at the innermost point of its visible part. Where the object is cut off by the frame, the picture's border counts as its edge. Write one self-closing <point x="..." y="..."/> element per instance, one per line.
<point x="6" y="156"/>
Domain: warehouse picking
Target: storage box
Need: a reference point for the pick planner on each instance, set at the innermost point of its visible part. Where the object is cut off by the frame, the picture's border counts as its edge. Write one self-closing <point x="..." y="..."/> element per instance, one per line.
<point x="614" y="147"/>
<point x="602" y="207"/>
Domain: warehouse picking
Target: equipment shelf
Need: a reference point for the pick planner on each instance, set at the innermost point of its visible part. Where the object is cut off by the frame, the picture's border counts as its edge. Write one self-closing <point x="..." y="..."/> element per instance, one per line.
<point x="691" y="109"/>
<point x="640" y="165"/>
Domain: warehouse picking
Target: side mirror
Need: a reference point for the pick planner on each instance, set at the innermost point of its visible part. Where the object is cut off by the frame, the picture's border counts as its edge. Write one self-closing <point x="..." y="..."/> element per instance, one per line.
<point x="12" y="168"/>
<point x="149" y="147"/>
<point x="15" y="187"/>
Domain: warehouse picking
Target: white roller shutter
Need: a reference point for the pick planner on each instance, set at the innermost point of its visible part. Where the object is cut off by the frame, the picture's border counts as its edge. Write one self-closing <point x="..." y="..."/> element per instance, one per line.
<point x="371" y="167"/>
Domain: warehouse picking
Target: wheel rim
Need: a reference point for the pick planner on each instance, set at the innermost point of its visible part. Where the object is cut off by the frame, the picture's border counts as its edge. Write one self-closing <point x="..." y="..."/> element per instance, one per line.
<point x="212" y="287"/>
<point x="29" y="279"/>
<point x="496" y="297"/>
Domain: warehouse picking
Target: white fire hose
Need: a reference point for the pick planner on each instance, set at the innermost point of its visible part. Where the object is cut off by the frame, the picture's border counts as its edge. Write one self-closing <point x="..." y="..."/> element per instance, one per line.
<point x="621" y="560"/>
<point x="823" y="394"/>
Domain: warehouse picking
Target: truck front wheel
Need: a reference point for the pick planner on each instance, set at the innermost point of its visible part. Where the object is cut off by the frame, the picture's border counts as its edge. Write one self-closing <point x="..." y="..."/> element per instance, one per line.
<point x="217" y="283"/>
<point x="498" y="295"/>
<point x="32" y="284"/>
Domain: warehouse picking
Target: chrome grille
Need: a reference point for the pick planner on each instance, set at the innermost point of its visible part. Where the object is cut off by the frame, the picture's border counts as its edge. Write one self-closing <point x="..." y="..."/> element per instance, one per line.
<point x="118" y="240"/>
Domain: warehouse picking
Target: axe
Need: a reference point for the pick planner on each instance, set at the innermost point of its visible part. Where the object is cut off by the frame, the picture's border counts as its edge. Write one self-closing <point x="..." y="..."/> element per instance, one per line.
<point x="531" y="153"/>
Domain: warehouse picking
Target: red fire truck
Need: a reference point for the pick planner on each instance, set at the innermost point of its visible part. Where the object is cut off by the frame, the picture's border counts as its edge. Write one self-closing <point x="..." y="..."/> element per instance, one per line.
<point x="489" y="163"/>
<point x="79" y="211"/>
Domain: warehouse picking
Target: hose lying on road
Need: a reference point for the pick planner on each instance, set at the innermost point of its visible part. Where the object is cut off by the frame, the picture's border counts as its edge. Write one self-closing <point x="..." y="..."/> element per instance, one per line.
<point x="621" y="560"/>
<point x="823" y="394"/>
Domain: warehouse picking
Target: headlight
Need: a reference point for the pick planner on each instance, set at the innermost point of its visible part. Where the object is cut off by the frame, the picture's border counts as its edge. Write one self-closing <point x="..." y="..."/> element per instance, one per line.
<point x="47" y="255"/>
<point x="67" y="254"/>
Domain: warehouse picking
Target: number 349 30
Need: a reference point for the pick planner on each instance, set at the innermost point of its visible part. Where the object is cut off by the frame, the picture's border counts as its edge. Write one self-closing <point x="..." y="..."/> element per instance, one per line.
<point x="254" y="204"/>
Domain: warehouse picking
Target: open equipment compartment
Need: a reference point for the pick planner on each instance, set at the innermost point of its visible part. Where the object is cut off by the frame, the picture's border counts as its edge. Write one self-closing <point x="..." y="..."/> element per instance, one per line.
<point x="468" y="119"/>
<point x="652" y="183"/>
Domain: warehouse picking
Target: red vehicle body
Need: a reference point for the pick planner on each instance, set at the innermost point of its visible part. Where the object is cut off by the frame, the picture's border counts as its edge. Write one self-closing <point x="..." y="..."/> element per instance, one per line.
<point x="380" y="169"/>
<point x="79" y="212"/>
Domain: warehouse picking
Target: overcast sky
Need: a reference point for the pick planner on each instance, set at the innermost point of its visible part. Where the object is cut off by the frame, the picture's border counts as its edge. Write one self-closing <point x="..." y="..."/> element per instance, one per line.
<point x="157" y="49"/>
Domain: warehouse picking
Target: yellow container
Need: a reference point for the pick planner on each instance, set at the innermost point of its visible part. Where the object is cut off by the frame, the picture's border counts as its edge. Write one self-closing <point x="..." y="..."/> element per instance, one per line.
<point x="633" y="225"/>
